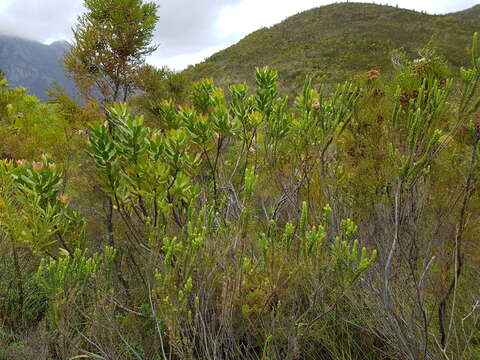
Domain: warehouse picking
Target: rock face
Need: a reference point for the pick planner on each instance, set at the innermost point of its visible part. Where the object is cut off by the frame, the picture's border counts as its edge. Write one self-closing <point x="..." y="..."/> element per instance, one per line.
<point x="34" y="65"/>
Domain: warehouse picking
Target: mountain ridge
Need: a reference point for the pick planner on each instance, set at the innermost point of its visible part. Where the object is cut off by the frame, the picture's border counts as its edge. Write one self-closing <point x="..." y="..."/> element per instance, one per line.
<point x="33" y="65"/>
<point x="336" y="41"/>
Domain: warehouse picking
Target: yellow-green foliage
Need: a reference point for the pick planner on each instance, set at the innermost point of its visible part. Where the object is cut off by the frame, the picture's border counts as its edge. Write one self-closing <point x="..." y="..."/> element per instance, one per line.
<point x="28" y="128"/>
<point x="342" y="224"/>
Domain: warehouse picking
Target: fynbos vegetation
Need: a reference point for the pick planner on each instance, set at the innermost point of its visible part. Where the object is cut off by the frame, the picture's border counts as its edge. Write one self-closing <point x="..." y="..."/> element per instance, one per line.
<point x="194" y="222"/>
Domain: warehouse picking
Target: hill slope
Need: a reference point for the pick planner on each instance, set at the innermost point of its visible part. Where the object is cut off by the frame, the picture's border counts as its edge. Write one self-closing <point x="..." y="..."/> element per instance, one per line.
<point x="33" y="65"/>
<point x="334" y="41"/>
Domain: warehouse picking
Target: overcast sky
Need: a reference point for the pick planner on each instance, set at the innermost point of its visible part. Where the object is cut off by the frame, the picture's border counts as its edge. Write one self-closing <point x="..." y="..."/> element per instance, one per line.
<point x="188" y="30"/>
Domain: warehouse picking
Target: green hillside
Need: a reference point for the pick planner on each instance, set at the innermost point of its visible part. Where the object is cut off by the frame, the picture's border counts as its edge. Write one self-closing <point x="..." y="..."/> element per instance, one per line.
<point x="336" y="41"/>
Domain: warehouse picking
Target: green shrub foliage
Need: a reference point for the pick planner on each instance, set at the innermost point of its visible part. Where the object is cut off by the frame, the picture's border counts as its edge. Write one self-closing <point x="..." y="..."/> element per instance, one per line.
<point x="242" y="224"/>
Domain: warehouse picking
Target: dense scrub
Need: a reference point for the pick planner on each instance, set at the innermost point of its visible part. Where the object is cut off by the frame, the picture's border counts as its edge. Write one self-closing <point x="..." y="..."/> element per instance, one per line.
<point x="337" y="225"/>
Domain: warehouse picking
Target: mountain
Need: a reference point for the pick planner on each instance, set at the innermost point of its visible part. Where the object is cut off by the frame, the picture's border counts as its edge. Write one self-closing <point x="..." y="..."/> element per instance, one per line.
<point x="34" y="65"/>
<point x="336" y="41"/>
<point x="469" y="14"/>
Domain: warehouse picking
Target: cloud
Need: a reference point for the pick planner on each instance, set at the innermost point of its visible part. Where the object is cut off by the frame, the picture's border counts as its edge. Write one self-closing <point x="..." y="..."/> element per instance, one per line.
<point x="186" y="27"/>
<point x="182" y="61"/>
<point x="39" y="20"/>
<point x="188" y="30"/>
<point x="189" y="25"/>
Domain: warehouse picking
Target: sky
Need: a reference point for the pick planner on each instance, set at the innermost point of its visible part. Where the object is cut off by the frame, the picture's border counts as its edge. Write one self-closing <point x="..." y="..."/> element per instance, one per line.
<point x="188" y="30"/>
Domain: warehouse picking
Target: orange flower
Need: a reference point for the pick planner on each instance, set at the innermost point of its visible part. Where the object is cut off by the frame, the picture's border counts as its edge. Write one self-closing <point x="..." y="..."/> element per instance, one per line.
<point x="63" y="199"/>
<point x="373" y="74"/>
<point x="37" y="166"/>
<point x="316" y="104"/>
<point x="22" y="162"/>
<point x="46" y="156"/>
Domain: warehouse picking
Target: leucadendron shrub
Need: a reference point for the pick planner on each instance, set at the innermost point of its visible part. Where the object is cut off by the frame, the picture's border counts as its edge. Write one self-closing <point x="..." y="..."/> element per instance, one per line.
<point x="209" y="271"/>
